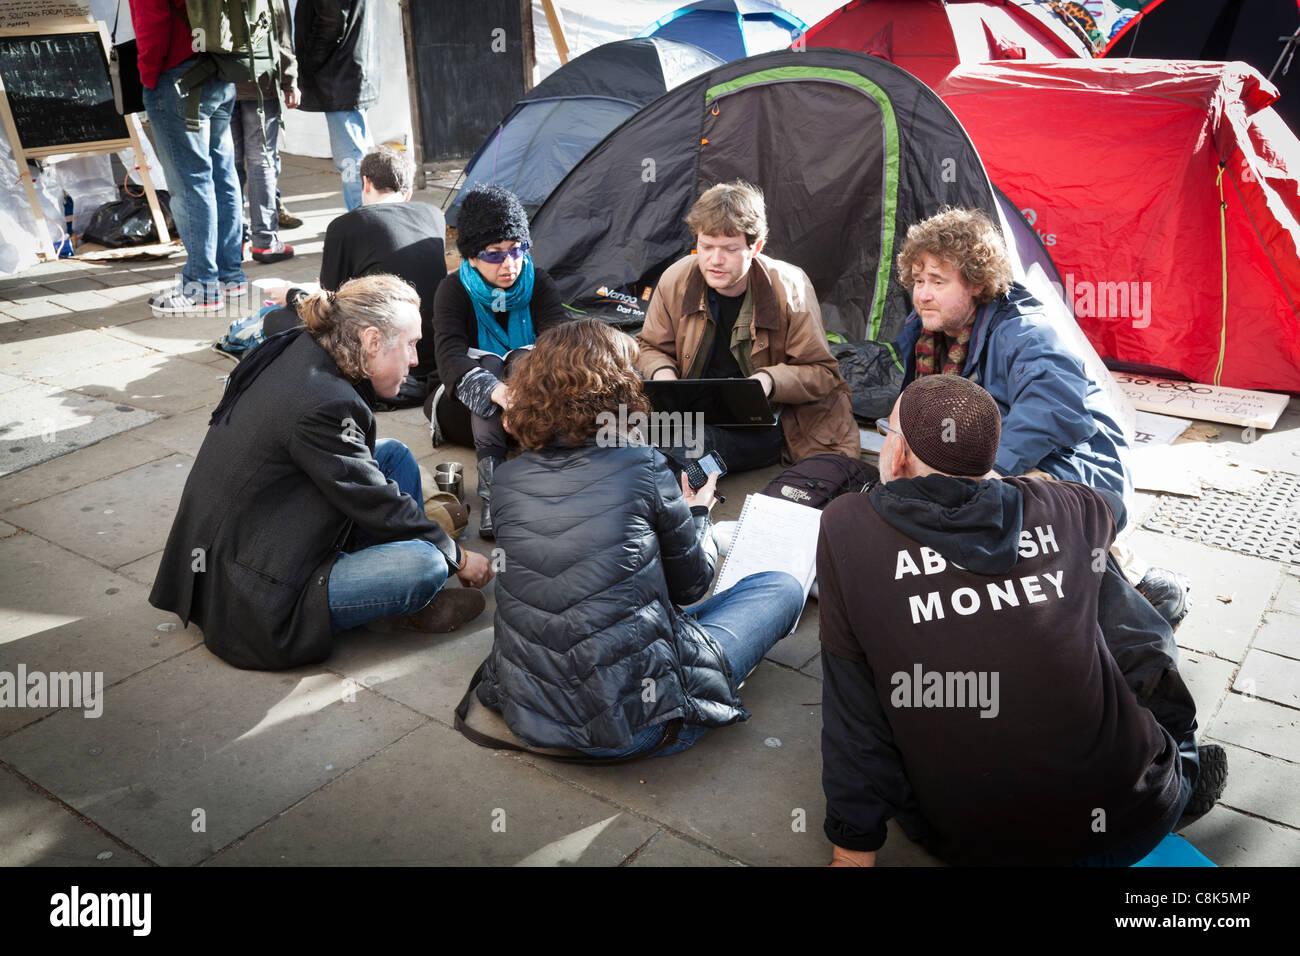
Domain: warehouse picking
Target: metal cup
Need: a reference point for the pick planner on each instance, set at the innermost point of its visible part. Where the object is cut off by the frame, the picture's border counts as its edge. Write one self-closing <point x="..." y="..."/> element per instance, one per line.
<point x="450" y="476"/>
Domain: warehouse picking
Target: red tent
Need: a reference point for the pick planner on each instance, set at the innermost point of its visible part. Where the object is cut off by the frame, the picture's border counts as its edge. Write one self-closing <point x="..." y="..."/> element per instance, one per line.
<point x="1122" y="166"/>
<point x="928" y="38"/>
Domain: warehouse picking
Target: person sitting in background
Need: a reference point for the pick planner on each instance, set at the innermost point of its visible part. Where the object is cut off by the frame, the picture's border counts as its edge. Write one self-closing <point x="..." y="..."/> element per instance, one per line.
<point x="728" y="312"/>
<point x="971" y="319"/>
<point x="295" y="523"/>
<point x="495" y="305"/>
<point x="602" y="544"/>
<point x="387" y="234"/>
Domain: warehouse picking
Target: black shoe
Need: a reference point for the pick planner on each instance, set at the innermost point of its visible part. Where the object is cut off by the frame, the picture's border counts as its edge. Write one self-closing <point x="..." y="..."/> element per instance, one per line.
<point x="1167" y="593"/>
<point x="486" y="466"/>
<point x="1209" y="782"/>
<point x="449" y="609"/>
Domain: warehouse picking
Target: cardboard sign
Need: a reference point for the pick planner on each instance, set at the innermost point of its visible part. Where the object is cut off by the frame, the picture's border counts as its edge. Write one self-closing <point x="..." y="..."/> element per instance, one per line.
<point x="1211" y="403"/>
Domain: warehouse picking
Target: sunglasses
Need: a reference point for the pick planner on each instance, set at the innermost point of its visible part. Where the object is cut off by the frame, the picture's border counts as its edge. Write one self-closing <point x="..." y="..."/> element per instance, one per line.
<point x="498" y="256"/>
<point x="883" y="426"/>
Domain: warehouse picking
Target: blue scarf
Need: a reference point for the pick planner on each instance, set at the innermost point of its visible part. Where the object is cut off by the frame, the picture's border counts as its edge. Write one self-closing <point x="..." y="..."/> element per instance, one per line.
<point x="490" y="301"/>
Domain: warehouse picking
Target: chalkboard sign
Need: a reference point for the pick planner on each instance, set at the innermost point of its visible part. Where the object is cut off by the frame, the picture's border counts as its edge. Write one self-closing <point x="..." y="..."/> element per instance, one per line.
<point x="58" y="89"/>
<point x="468" y="63"/>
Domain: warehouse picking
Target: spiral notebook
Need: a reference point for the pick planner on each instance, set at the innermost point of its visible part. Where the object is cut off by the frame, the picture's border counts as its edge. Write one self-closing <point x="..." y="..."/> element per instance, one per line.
<point x="773" y="535"/>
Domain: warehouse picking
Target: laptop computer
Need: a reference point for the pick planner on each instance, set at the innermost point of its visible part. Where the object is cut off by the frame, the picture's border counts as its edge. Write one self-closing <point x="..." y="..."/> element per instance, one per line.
<point x="732" y="402"/>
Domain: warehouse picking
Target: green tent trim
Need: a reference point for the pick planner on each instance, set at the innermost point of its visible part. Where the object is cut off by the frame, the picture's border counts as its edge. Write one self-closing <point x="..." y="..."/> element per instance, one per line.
<point x="785" y="74"/>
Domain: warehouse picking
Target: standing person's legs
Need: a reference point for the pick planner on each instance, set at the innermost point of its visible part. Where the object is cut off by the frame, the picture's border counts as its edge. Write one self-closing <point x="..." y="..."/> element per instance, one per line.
<point x="349" y="143"/>
<point x="261" y="172"/>
<point x="227" y="198"/>
<point x="238" y="124"/>
<point x="186" y="159"/>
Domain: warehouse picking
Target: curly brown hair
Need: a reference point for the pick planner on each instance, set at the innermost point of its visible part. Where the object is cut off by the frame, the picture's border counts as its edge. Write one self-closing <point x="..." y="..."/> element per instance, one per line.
<point x="961" y="239"/>
<point x="576" y="371"/>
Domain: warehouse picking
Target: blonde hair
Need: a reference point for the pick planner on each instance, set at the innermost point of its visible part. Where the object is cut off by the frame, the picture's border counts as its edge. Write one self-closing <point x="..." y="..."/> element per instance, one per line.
<point x="730" y="209"/>
<point x="337" y="319"/>
<point x="962" y="239"/>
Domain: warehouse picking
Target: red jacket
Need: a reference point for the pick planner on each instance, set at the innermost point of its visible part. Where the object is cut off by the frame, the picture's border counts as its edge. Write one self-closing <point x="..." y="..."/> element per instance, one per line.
<point x="162" y="36"/>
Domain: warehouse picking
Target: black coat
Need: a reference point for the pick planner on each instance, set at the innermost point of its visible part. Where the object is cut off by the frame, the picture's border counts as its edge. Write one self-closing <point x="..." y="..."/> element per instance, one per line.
<point x="273" y="495"/>
<point x="338" y="61"/>
<point x="600" y="547"/>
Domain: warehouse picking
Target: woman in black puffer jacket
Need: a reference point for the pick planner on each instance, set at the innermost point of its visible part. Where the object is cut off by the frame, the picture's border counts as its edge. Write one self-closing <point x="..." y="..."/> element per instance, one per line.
<point x="602" y="545"/>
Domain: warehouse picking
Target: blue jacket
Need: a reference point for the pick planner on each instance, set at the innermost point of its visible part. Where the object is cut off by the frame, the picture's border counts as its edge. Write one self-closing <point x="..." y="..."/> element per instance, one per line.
<point x="1054" y="417"/>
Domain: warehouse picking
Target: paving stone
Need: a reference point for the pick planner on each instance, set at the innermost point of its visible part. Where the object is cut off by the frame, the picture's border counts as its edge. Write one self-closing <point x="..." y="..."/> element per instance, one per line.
<point x="413" y="436"/>
<point x="144" y="571"/>
<point x="60" y="612"/>
<point x="1262" y="786"/>
<point x="194" y="734"/>
<point x="668" y="850"/>
<point x="539" y="820"/>
<point x="1279" y="635"/>
<point x="129" y="290"/>
<point x="1229" y="838"/>
<point x="797" y="649"/>
<point x="108" y="457"/>
<point x="48" y="422"/>
<point x="114" y="520"/>
<point x="10" y="382"/>
<point x="1288" y="593"/>
<point x="739" y="788"/>
<point x="86" y="302"/>
<point x="111" y="275"/>
<point x="1208" y="678"/>
<point x="39" y="832"/>
<point x="33" y="308"/>
<point x="80" y="283"/>
<point x="1257" y="725"/>
<point x="6" y="529"/>
<point x="183" y="433"/>
<point x="66" y="352"/>
<point x="178" y="334"/>
<point x="814" y="667"/>
<point x="1270" y="677"/>
<point x="1212" y="626"/>
<point x="162" y="383"/>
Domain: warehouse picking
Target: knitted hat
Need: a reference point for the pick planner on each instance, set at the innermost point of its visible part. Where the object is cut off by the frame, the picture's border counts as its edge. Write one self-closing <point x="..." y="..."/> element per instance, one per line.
<point x="951" y="424"/>
<point x="489" y="214"/>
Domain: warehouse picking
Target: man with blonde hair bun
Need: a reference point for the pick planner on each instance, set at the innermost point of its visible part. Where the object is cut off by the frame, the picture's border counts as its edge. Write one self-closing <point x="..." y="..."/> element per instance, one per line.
<point x="727" y="311"/>
<point x="295" y="522"/>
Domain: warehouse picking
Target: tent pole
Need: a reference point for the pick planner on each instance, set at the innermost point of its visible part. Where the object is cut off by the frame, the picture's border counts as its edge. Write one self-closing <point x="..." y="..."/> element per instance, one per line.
<point x="557" y="30"/>
<point x="1290" y="45"/>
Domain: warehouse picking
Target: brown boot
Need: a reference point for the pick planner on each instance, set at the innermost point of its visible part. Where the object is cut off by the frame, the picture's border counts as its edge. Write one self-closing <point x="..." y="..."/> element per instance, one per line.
<point x="449" y="609"/>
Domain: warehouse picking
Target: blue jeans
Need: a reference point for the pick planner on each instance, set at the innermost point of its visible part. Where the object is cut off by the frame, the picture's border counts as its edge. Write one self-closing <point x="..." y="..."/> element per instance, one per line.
<point x="386" y="580"/>
<point x="349" y="143"/>
<point x="263" y="166"/>
<point x="746" y="620"/>
<point x="200" y="172"/>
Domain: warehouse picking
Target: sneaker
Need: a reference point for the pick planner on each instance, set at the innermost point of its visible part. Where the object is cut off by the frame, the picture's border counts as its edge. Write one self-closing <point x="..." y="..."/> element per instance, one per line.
<point x="236" y="289"/>
<point x="1167" y="593"/>
<point x="1209" y="782"/>
<point x="286" y="219"/>
<point x="277" y="251"/>
<point x="176" y="302"/>
<point x="449" y="609"/>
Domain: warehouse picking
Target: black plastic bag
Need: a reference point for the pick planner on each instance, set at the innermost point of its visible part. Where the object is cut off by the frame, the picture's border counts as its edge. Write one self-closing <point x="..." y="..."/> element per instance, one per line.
<point x="128" y="221"/>
<point x="874" y="377"/>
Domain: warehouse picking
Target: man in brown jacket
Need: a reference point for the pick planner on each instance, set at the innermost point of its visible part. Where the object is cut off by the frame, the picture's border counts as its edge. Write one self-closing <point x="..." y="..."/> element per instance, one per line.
<point x="729" y="312"/>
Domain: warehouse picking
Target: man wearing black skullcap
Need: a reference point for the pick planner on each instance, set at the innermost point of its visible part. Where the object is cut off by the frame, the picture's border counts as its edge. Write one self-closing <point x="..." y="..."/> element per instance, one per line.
<point x="979" y="685"/>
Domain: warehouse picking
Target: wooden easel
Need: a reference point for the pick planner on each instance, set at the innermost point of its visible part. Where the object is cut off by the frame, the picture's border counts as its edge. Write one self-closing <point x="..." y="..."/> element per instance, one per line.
<point x="22" y="154"/>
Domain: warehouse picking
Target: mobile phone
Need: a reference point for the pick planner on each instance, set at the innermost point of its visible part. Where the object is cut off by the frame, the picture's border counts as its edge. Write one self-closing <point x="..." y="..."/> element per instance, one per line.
<point x="697" y="472"/>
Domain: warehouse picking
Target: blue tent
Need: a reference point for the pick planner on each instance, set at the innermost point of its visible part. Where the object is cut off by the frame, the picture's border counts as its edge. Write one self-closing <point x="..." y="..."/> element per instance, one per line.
<point x="730" y="29"/>
<point x="561" y="119"/>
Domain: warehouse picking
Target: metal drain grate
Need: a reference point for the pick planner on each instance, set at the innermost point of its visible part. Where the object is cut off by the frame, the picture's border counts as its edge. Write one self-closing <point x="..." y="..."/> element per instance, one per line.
<point x="1264" y="523"/>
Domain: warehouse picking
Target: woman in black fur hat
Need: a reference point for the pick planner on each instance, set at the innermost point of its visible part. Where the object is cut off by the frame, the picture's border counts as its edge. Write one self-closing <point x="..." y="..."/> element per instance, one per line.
<point x="484" y="317"/>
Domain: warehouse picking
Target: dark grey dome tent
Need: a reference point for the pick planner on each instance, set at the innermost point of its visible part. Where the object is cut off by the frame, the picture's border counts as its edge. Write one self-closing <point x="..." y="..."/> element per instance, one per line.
<point x="848" y="149"/>
<point x="557" y="122"/>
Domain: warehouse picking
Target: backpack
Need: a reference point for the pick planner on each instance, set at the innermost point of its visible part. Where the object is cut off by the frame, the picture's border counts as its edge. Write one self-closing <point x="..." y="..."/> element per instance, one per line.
<point x="235" y="40"/>
<point x="818" y="479"/>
